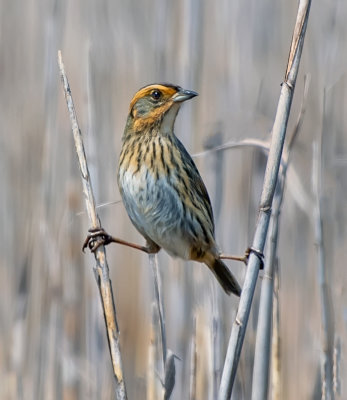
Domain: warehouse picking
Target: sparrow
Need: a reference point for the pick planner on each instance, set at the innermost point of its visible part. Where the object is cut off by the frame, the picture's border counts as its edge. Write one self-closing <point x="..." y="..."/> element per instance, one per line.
<point x="160" y="185"/>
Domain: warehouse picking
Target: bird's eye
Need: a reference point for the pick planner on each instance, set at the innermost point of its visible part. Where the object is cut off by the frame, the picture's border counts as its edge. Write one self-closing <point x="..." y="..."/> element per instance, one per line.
<point x="156" y="94"/>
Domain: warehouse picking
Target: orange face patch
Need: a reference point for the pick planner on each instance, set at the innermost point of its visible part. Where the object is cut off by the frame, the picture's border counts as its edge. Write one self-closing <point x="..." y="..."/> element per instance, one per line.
<point x="167" y="92"/>
<point x="142" y="124"/>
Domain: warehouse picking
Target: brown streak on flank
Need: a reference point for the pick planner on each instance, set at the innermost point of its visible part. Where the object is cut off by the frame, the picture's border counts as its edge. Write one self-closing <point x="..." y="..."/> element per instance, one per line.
<point x="162" y="159"/>
<point x="133" y="158"/>
<point x="147" y="156"/>
<point x="155" y="160"/>
<point x="128" y="153"/>
<point x="168" y="157"/>
<point x="138" y="158"/>
<point x="159" y="161"/>
<point x="166" y="90"/>
<point x="122" y="156"/>
<point x="181" y="174"/>
<point x="154" y="154"/>
<point x="173" y="154"/>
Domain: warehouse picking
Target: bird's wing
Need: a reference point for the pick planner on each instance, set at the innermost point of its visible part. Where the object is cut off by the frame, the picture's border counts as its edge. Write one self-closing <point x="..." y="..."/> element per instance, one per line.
<point x="197" y="183"/>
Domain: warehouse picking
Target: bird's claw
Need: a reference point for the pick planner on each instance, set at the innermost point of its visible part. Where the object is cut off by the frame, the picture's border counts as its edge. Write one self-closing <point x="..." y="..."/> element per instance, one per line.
<point x="96" y="238"/>
<point x="258" y="253"/>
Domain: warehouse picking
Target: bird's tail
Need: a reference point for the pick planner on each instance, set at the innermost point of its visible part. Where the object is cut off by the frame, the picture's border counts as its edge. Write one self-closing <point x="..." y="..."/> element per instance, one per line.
<point x="223" y="275"/>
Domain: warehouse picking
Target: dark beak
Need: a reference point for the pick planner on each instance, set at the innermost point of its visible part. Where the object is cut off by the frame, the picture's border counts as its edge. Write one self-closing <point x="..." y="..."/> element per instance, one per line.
<point x="183" y="95"/>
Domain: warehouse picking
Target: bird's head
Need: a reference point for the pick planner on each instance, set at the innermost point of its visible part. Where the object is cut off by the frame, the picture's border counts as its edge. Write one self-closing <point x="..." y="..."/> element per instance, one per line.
<point x="156" y="106"/>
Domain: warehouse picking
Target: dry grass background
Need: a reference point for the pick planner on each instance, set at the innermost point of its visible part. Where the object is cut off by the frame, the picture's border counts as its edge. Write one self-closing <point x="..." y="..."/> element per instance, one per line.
<point x="52" y="339"/>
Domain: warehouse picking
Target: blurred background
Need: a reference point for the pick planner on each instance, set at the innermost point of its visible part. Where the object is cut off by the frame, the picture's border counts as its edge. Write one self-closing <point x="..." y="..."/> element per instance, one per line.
<point x="233" y="53"/>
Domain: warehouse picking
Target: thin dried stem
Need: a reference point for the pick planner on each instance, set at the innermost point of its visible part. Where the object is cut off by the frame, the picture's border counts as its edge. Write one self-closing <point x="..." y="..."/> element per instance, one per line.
<point x="101" y="270"/>
<point x="153" y="260"/>
<point x="168" y="357"/>
<point x="276" y="341"/>
<point x="326" y="312"/>
<point x="272" y="168"/>
<point x="170" y="374"/>
<point x="152" y="386"/>
<point x="336" y="367"/>
<point x="193" y="361"/>
<point x="261" y="144"/>
<point x="296" y="130"/>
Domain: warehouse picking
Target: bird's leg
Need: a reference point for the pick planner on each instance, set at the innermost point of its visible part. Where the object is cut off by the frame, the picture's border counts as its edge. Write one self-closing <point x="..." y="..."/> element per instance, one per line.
<point x="245" y="258"/>
<point x="98" y="237"/>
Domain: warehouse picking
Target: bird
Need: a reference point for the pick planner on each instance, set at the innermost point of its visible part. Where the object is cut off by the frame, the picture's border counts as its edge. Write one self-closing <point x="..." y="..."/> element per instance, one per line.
<point x="161" y="187"/>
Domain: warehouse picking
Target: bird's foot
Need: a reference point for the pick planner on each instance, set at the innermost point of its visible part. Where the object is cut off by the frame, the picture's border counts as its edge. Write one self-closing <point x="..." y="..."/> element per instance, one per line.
<point x="245" y="257"/>
<point x="99" y="237"/>
<point x="256" y="252"/>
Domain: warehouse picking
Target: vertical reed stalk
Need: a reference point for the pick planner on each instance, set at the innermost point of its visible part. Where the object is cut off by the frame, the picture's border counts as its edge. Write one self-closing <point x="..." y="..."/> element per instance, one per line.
<point x="272" y="168"/>
<point x="326" y="311"/>
<point x="153" y="260"/>
<point x="261" y="370"/>
<point x="101" y="270"/>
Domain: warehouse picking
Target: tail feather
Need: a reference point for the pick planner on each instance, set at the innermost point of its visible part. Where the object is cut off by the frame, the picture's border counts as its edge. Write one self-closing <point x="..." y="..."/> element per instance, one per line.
<point x="224" y="277"/>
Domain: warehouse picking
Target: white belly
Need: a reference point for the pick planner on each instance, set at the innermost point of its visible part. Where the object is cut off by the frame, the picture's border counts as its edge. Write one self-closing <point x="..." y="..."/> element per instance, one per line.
<point x="156" y="211"/>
